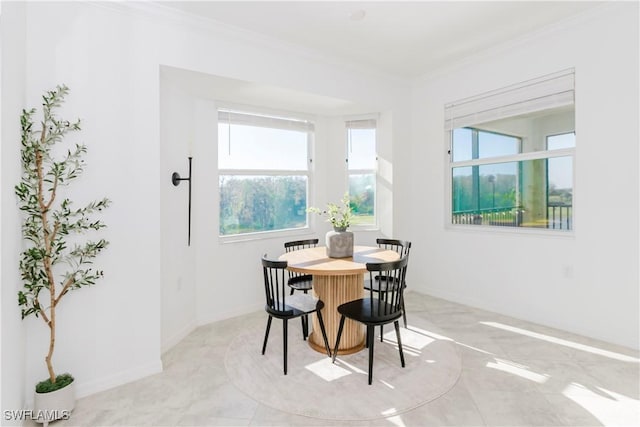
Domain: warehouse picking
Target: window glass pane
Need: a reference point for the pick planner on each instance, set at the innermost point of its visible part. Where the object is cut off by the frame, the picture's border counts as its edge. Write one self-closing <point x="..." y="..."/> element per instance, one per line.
<point x="462" y="145"/>
<point x="532" y="193"/>
<point x="260" y="148"/>
<point x="362" y="149"/>
<point x="485" y="188"/>
<point x="494" y="144"/>
<point x="471" y="143"/>
<point x="362" y="190"/>
<point x="250" y="204"/>
<point x="560" y="192"/>
<point x="565" y="140"/>
<point x="498" y="183"/>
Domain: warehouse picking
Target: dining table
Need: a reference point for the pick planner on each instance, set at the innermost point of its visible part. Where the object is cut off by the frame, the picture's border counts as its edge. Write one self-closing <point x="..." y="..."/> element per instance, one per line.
<point x="336" y="281"/>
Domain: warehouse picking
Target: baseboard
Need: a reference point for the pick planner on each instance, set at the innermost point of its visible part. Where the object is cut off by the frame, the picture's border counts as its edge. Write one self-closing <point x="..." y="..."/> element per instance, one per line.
<point x="179" y="336"/>
<point x="215" y="317"/>
<point x="124" y="377"/>
<point x="494" y="307"/>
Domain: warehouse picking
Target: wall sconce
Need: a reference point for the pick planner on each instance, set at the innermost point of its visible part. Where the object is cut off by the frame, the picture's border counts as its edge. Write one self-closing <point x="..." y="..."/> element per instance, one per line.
<point x="175" y="179"/>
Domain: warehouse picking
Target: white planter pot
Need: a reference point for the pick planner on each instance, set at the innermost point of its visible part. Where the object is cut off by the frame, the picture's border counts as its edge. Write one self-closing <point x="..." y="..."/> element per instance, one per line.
<point x="54" y="405"/>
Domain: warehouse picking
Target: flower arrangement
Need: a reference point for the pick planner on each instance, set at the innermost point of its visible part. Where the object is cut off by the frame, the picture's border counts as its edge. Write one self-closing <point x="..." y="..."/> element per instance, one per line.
<point x="338" y="215"/>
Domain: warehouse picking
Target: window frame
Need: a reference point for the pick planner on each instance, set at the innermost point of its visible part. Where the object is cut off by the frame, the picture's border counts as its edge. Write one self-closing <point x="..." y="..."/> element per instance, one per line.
<point x="560" y="80"/>
<point x="532" y="155"/>
<point x="374" y="171"/>
<point x="308" y="172"/>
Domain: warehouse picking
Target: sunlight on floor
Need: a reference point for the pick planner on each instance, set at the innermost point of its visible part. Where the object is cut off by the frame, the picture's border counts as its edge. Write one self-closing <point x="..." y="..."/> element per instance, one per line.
<point x="479" y="350"/>
<point x="326" y="370"/>
<point x="566" y="343"/>
<point x="517" y="369"/>
<point x="387" y="384"/>
<point x="609" y="407"/>
<point x="396" y="421"/>
<point x="410" y="339"/>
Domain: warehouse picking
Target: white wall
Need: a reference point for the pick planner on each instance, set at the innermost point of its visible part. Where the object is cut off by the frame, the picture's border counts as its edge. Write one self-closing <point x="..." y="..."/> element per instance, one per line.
<point x="585" y="283"/>
<point x="12" y="364"/>
<point x="110" y="333"/>
<point x="110" y="55"/>
<point x="156" y="288"/>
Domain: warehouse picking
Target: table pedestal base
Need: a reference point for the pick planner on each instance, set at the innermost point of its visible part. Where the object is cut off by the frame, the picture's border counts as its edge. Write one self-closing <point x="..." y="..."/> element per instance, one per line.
<point x="333" y="291"/>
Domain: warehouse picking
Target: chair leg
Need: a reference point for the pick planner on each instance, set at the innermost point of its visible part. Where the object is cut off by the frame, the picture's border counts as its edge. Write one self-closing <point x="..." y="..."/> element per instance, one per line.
<point x="404" y="313"/>
<point x="324" y="332"/>
<point x="370" y="336"/>
<point x="284" y="337"/>
<point x="366" y="338"/>
<point x="335" y="349"/>
<point x="383" y="295"/>
<point x="266" y="334"/>
<point x="292" y="290"/>
<point x="397" y="325"/>
<point x="305" y="327"/>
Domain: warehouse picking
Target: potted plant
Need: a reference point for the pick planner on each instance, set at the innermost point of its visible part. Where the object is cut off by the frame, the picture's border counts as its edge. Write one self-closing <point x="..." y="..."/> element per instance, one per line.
<point x="339" y="241"/>
<point x="50" y="228"/>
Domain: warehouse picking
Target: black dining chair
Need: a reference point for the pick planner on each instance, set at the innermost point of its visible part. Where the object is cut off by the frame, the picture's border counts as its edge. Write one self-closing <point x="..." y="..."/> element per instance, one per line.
<point x="402" y="247"/>
<point x="283" y="306"/>
<point x="371" y="311"/>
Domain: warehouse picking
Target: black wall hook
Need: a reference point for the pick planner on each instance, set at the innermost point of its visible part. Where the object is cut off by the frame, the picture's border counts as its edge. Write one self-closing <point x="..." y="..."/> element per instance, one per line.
<point x="175" y="179"/>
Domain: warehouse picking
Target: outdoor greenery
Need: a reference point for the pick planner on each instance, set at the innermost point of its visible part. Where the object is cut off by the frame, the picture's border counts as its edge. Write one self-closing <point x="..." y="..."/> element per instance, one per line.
<point x="51" y="226"/>
<point x="251" y="204"/>
<point x="362" y="195"/>
<point x="495" y="192"/>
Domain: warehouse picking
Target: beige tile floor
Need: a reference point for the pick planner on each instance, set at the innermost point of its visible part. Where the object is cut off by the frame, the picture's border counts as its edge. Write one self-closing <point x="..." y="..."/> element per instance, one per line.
<point x="514" y="373"/>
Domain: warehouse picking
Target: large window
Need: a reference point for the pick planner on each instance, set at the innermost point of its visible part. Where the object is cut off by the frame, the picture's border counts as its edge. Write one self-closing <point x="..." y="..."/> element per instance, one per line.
<point x="361" y="166"/>
<point x="511" y="156"/>
<point x="263" y="164"/>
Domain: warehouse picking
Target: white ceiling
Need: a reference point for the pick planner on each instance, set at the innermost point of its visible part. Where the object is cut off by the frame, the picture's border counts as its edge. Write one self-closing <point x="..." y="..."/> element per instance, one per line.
<point x="398" y="38"/>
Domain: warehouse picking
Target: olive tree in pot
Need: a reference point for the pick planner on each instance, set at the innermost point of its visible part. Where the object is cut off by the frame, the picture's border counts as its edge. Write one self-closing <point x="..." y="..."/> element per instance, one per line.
<point x="56" y="259"/>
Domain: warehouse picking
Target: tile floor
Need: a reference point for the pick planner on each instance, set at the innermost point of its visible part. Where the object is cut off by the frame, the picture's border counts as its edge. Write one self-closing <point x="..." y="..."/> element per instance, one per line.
<point x="514" y="373"/>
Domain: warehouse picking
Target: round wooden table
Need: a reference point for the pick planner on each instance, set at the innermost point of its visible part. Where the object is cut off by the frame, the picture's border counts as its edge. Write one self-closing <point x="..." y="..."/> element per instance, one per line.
<point x="336" y="281"/>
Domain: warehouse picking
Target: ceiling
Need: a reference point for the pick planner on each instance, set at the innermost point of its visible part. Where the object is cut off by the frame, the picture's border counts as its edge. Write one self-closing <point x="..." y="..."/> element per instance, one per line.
<point x="397" y="38"/>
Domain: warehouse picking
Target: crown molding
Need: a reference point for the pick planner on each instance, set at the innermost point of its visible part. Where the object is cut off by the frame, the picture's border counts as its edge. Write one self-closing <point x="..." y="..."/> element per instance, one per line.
<point x="159" y="13"/>
<point x="542" y="32"/>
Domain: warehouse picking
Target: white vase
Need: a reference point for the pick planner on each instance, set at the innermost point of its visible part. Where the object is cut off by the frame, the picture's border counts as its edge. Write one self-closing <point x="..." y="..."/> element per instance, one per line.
<point x="339" y="244"/>
<point x="54" y="405"/>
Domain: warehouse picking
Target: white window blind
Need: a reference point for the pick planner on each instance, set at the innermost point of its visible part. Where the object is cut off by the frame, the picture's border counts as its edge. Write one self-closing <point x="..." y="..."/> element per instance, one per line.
<point x="543" y="93"/>
<point x="238" y="118"/>
<point x="361" y="124"/>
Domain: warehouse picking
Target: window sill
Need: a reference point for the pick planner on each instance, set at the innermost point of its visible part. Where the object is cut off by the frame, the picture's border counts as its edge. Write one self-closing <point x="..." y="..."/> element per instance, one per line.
<point x="522" y="231"/>
<point x="292" y="234"/>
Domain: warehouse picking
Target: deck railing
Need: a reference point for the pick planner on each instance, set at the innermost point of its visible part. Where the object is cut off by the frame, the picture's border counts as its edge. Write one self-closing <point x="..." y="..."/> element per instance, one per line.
<point x="505" y="217"/>
<point x="559" y="217"/>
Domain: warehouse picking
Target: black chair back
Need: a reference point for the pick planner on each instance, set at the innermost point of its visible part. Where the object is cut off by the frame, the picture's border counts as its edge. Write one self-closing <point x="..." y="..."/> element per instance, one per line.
<point x="275" y="287"/>
<point x="300" y="244"/>
<point x="402" y="247"/>
<point x="393" y="273"/>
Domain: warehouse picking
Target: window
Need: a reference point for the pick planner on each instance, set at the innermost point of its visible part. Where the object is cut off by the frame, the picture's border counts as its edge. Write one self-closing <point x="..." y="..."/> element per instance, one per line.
<point x="264" y="175"/>
<point x="511" y="155"/>
<point x="361" y="170"/>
